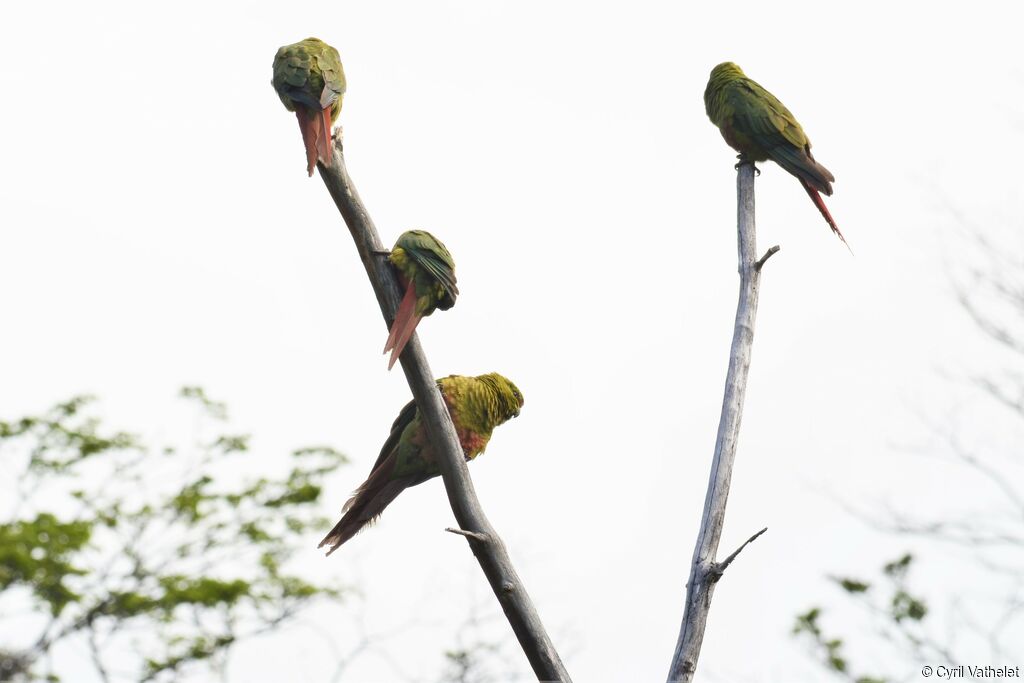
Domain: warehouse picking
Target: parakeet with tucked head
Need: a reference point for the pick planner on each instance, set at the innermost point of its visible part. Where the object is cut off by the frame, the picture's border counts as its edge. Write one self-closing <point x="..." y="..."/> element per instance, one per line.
<point x="759" y="127"/>
<point x="427" y="272"/>
<point x="310" y="82"/>
<point x="477" y="405"/>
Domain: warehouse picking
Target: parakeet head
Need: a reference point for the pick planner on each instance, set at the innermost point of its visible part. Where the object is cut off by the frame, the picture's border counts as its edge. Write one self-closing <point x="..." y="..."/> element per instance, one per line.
<point x="726" y="69"/>
<point x="509" y="398"/>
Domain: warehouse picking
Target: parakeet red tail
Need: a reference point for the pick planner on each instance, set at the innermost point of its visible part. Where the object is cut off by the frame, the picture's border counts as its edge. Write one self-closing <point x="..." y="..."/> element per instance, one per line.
<point x="820" y="203"/>
<point x="363" y="508"/>
<point x="403" y="338"/>
<point x="404" y="325"/>
<point x="308" y="139"/>
<point x="316" y="136"/>
<point x="324" y="133"/>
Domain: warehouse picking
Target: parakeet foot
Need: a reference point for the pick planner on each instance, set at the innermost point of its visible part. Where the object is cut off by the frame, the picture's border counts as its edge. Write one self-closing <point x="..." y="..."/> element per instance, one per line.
<point x="743" y="160"/>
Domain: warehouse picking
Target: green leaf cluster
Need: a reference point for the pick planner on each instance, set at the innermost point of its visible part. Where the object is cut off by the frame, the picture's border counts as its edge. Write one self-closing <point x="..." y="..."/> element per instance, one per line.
<point x="899" y="613"/>
<point x="174" y="553"/>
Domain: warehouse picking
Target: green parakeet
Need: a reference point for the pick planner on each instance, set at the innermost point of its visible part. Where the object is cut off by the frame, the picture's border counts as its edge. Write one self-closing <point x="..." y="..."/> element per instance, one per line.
<point x="759" y="127"/>
<point x="477" y="405"/>
<point x="310" y="82"/>
<point x="427" y="271"/>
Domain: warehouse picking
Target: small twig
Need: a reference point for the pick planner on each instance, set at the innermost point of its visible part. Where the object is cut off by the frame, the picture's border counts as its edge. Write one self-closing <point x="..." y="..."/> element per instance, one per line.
<point x="476" y="536"/>
<point x="97" y="656"/>
<point x="759" y="264"/>
<point x="718" y="568"/>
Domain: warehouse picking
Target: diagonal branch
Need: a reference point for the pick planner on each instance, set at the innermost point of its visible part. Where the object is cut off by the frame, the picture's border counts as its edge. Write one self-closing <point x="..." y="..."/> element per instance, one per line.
<point x="705" y="572"/>
<point x="488" y="547"/>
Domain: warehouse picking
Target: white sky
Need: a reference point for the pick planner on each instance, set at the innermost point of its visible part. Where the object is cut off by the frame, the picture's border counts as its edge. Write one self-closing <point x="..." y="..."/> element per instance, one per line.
<point x="158" y="229"/>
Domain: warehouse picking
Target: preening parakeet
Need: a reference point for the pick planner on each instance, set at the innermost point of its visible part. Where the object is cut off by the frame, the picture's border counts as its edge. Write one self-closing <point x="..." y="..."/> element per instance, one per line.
<point x="310" y="82"/>
<point x="427" y="272"/>
<point x="477" y="405"/>
<point x="759" y="127"/>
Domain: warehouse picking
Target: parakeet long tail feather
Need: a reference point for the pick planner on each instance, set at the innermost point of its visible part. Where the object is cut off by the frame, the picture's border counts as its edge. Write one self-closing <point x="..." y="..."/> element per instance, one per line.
<point x="402" y="315"/>
<point x="308" y="138"/>
<point x="362" y="509"/>
<point x="324" y="132"/>
<point x="404" y="336"/>
<point x="820" y="203"/>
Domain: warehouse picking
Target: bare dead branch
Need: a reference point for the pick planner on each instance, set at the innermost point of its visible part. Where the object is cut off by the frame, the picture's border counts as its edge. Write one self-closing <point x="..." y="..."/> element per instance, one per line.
<point x="490" y="552"/>
<point x="704" y="572"/>
<point x="997" y="477"/>
<point x="1001" y="395"/>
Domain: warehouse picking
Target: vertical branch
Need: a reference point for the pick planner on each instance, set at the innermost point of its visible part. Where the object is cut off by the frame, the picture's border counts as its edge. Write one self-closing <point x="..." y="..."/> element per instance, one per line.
<point x="488" y="547"/>
<point x="705" y="571"/>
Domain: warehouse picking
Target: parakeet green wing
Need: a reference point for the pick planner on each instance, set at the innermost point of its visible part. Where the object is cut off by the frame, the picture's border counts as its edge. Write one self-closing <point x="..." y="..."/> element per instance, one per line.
<point x="427" y="271"/>
<point x="431" y="255"/>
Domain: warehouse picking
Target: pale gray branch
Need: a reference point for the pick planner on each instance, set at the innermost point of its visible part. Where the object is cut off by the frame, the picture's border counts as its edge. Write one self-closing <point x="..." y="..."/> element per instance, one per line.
<point x="489" y="549"/>
<point x="704" y="571"/>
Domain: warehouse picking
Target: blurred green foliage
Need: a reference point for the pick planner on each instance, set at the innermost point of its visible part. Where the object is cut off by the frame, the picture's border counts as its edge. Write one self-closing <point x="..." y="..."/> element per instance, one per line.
<point x="898" y="614"/>
<point x="162" y="559"/>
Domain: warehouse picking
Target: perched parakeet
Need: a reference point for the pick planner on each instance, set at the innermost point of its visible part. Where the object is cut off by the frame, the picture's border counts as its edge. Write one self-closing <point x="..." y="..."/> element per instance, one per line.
<point x="759" y="127"/>
<point x="477" y="405"/>
<point x="427" y="272"/>
<point x="310" y="82"/>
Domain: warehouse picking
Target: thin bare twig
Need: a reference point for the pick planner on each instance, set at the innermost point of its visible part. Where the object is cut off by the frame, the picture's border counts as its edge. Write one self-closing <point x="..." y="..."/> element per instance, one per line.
<point x="720" y="567"/>
<point x="489" y="550"/>
<point x="468" y="534"/>
<point x="97" y="655"/>
<point x="759" y="264"/>
<point x="704" y="571"/>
